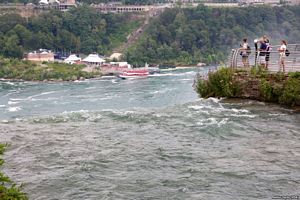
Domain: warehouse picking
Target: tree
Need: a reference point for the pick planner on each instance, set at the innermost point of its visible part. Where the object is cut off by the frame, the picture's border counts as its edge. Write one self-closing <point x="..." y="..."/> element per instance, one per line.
<point x="11" y="47"/>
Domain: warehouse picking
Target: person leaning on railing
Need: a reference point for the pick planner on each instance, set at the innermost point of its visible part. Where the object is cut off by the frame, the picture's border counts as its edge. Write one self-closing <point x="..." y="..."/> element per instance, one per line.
<point x="263" y="52"/>
<point x="282" y="51"/>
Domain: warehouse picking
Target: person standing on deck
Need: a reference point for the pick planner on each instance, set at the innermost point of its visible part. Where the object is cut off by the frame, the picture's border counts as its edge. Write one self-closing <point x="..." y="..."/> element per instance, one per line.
<point x="256" y="49"/>
<point x="282" y="55"/>
<point x="262" y="52"/>
<point x="268" y="49"/>
<point x="244" y="52"/>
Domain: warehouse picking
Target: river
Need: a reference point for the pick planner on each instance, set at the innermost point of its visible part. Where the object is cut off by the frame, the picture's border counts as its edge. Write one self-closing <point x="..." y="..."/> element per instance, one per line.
<point x="147" y="138"/>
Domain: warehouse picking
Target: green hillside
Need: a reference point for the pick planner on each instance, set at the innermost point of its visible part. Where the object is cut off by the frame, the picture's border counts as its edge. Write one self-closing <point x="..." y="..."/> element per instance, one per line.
<point x="81" y="30"/>
<point x="202" y="34"/>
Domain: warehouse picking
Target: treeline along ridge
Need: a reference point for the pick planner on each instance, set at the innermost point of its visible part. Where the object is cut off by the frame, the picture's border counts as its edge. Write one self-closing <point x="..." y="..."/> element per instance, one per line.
<point x="177" y="36"/>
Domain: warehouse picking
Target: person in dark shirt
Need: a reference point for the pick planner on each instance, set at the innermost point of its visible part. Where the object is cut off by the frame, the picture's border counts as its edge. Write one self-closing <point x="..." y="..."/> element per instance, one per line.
<point x="256" y="49"/>
<point x="268" y="49"/>
<point x="262" y="53"/>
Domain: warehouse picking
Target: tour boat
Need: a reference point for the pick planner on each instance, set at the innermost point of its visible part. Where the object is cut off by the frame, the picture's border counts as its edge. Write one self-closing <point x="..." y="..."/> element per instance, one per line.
<point x="134" y="73"/>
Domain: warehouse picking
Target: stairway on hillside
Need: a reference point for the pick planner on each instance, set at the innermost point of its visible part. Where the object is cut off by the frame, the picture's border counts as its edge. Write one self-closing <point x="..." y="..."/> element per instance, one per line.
<point x="134" y="36"/>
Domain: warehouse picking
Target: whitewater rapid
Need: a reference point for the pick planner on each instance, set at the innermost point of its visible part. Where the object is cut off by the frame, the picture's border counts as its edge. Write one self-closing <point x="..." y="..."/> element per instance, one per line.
<point x="150" y="138"/>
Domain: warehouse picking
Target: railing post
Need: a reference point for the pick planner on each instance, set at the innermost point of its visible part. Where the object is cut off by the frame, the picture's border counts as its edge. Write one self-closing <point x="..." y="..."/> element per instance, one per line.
<point x="235" y="58"/>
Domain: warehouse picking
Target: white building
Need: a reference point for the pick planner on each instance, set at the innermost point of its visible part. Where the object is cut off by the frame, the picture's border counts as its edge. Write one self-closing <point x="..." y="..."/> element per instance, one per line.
<point x="93" y="59"/>
<point x="260" y="1"/>
<point x="72" y="59"/>
<point x="40" y="56"/>
<point x="43" y="2"/>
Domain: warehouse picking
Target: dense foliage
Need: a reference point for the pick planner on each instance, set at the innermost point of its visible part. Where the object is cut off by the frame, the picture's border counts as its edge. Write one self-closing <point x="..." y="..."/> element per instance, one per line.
<point x="205" y="34"/>
<point x="79" y="30"/>
<point x="219" y="84"/>
<point x="291" y="92"/>
<point x="131" y="2"/>
<point x="177" y="36"/>
<point x="8" y="190"/>
<point x="277" y="88"/>
<point x="25" y="70"/>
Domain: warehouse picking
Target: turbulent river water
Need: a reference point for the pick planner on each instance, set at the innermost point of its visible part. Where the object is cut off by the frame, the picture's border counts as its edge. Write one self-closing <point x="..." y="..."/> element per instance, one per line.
<point x="149" y="138"/>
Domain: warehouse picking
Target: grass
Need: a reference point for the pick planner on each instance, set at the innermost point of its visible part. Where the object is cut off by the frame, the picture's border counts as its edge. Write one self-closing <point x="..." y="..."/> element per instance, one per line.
<point x="29" y="71"/>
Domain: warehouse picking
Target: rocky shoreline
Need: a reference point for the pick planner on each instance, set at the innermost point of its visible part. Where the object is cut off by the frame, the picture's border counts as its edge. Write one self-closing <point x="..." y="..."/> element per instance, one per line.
<point x="255" y="84"/>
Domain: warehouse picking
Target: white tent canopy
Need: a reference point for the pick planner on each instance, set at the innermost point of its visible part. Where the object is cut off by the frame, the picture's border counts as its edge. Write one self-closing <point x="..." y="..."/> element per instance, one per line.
<point x="43" y="2"/>
<point x="94" y="59"/>
<point x="72" y="58"/>
<point x="54" y="1"/>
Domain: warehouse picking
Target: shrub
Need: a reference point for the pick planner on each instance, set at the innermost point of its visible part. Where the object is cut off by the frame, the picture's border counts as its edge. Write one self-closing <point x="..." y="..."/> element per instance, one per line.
<point x="8" y="190"/>
<point x="26" y="70"/>
<point x="270" y="91"/>
<point x="219" y="84"/>
<point x="291" y="93"/>
<point x="277" y="87"/>
<point x="203" y="89"/>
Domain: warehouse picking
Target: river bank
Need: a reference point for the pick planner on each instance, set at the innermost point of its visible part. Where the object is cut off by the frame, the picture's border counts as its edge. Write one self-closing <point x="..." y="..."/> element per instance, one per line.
<point x="253" y="84"/>
<point x="20" y="70"/>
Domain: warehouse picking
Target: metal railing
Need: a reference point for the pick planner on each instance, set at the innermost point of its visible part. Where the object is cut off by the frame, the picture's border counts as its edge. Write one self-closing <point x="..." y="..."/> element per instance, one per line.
<point x="292" y="62"/>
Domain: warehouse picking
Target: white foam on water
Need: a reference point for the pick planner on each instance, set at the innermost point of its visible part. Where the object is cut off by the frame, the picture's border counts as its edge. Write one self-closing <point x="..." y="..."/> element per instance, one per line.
<point x="90" y="88"/>
<point x="196" y="107"/>
<point x="17" y="99"/>
<point x="162" y="91"/>
<point x="223" y="122"/>
<point x="8" y="83"/>
<point x="12" y="102"/>
<point x="191" y="72"/>
<point x="32" y="97"/>
<point x="185" y="79"/>
<point x="243" y="115"/>
<point x="2" y="106"/>
<point x="276" y="114"/>
<point x="41" y="94"/>
<point x="215" y="100"/>
<point x="47" y="99"/>
<point x="240" y="110"/>
<point x="13" y="109"/>
<point x="75" y="111"/>
<point x="212" y="121"/>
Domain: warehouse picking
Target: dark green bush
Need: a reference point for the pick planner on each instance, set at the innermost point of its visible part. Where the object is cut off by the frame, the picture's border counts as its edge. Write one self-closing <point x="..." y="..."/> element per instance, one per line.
<point x="29" y="71"/>
<point x="8" y="190"/>
<point x="203" y="89"/>
<point x="277" y="88"/>
<point x="219" y="84"/>
<point x="270" y="91"/>
<point x="291" y="92"/>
